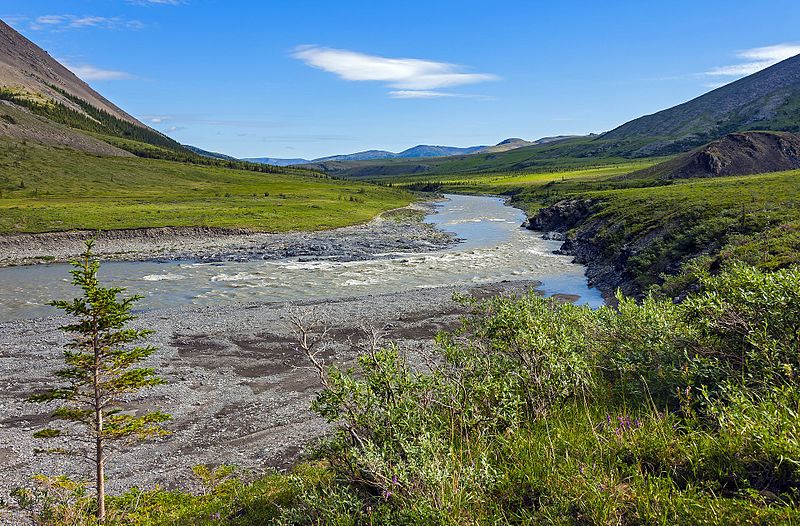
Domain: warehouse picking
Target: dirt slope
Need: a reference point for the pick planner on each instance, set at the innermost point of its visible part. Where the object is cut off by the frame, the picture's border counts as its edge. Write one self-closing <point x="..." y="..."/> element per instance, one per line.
<point x="735" y="154"/>
<point x="25" y="65"/>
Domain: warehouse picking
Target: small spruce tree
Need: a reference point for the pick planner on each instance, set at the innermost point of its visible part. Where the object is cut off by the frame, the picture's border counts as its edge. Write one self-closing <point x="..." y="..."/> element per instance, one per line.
<point x="101" y="370"/>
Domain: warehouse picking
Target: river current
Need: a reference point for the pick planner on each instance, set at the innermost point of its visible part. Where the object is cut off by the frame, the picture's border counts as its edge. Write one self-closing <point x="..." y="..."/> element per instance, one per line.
<point x="493" y="248"/>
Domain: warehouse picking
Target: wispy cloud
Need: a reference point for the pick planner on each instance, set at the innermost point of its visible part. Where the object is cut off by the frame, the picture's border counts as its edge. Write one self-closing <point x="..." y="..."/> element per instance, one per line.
<point x="88" y="72"/>
<point x="419" y="94"/>
<point x="428" y="94"/>
<point x="210" y="121"/>
<point x="66" y="22"/>
<point x="407" y="75"/>
<point x="14" y="20"/>
<point x="756" y="59"/>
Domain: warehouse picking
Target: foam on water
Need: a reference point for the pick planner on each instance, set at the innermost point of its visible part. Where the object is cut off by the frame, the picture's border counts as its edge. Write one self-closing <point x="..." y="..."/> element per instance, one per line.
<point x="163" y="277"/>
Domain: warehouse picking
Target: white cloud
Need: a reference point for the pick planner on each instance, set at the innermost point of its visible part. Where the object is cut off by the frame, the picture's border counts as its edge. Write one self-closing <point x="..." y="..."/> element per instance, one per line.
<point x="87" y="72"/>
<point x="757" y="59"/>
<point x="419" y="94"/>
<point x="64" y="22"/>
<point x="406" y="74"/>
<point x="50" y="20"/>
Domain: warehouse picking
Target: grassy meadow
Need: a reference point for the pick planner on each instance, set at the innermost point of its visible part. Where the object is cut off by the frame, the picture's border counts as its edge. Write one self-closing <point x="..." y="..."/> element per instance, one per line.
<point x="46" y="189"/>
<point x="514" y="181"/>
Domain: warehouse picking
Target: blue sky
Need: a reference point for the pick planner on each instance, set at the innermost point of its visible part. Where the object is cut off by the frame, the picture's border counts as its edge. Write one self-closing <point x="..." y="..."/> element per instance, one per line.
<point x="307" y="79"/>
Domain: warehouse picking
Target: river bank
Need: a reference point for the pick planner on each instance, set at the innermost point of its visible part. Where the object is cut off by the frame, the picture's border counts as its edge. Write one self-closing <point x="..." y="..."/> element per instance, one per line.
<point x="237" y="387"/>
<point x="387" y="233"/>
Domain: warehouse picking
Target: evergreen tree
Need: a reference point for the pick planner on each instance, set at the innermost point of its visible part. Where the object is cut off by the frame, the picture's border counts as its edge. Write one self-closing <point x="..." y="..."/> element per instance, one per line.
<point x="101" y="370"/>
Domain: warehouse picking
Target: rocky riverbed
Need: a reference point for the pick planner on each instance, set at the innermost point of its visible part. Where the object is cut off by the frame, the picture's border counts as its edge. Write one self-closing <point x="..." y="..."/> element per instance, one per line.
<point x="237" y="389"/>
<point x="387" y="233"/>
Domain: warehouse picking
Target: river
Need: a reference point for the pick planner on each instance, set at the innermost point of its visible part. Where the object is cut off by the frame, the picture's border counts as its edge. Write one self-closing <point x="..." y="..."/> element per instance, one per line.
<point x="493" y="248"/>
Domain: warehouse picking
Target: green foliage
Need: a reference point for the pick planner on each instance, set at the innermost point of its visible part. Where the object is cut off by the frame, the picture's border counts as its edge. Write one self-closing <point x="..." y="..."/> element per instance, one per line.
<point x="511" y="425"/>
<point x="749" y="327"/>
<point x="540" y="413"/>
<point x="57" y="501"/>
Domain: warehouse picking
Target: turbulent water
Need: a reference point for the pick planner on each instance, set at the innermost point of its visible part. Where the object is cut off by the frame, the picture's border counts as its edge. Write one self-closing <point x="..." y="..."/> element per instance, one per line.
<point x="493" y="248"/>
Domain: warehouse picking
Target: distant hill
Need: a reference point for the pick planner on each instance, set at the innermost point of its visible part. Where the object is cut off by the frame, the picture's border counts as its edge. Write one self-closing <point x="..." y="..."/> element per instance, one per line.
<point x="358" y="156"/>
<point x="422" y="150"/>
<point x="766" y="100"/>
<point x="210" y="155"/>
<point x="508" y="144"/>
<point x="275" y="161"/>
<point x="515" y="142"/>
<point x="735" y="154"/>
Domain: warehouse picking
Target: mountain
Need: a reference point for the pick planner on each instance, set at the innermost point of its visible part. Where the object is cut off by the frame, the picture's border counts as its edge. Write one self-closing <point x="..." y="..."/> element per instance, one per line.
<point x="421" y="150"/>
<point x="735" y="154"/>
<point x="508" y="144"/>
<point x="68" y="111"/>
<point x="358" y="156"/>
<point x="21" y="125"/>
<point x="210" y="155"/>
<point x="43" y="102"/>
<point x="275" y="161"/>
<point x="26" y="67"/>
<point x="766" y="100"/>
<point x="515" y="142"/>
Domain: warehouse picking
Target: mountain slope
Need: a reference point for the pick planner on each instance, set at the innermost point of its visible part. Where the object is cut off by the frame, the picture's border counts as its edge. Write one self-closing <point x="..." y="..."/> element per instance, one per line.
<point x="515" y="142"/>
<point x="508" y="144"/>
<point x="19" y="125"/>
<point x="766" y="100"/>
<point x="26" y="66"/>
<point x="735" y="154"/>
<point x="32" y="80"/>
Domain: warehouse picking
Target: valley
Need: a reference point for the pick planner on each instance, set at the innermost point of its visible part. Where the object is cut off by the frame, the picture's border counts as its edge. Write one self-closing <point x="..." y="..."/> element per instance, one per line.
<point x="324" y="314"/>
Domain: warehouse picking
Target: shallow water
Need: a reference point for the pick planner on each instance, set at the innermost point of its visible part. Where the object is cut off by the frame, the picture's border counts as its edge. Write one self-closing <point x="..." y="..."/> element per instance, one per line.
<point x="494" y="248"/>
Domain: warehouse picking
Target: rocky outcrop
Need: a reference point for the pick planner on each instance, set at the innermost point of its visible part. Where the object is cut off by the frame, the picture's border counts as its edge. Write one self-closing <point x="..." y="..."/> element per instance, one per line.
<point x="577" y="221"/>
<point x="561" y="216"/>
<point x="735" y="154"/>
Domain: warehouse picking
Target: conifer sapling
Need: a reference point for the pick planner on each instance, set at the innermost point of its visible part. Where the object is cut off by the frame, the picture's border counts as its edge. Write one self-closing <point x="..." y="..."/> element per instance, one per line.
<point x="101" y="370"/>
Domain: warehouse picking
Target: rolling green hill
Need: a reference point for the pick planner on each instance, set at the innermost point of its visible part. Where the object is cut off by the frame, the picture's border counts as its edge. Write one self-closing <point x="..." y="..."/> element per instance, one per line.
<point x="46" y="189"/>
